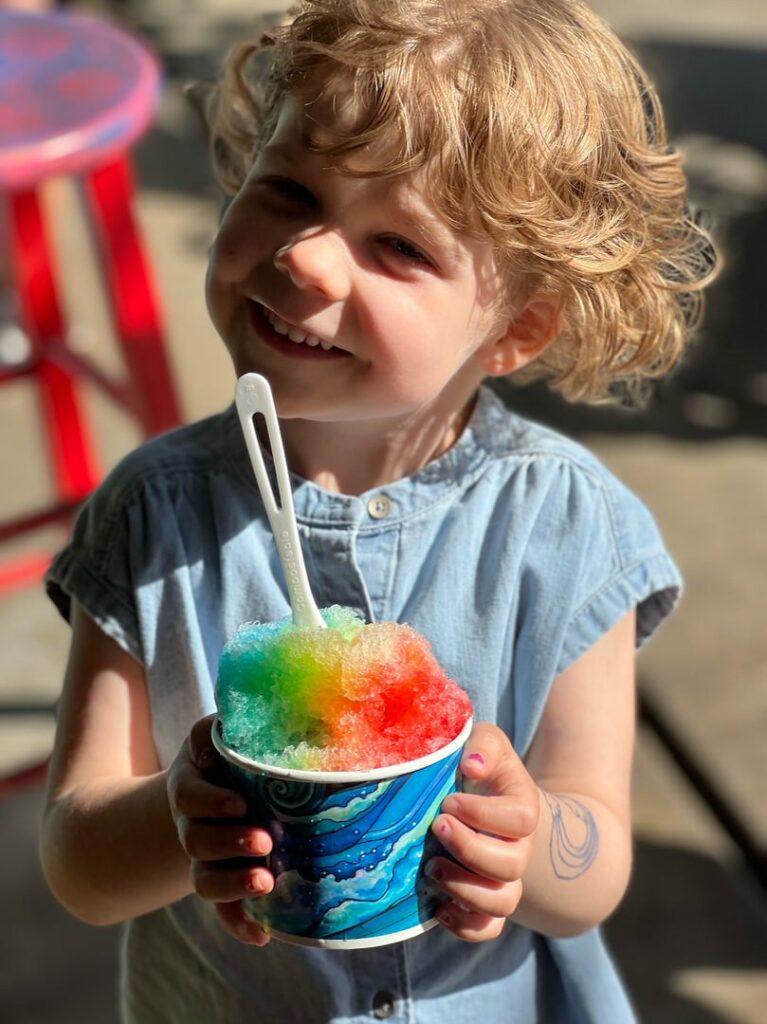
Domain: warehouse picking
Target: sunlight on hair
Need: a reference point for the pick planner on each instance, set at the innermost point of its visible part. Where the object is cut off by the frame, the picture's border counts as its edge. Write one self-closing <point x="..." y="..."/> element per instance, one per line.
<point x="535" y="126"/>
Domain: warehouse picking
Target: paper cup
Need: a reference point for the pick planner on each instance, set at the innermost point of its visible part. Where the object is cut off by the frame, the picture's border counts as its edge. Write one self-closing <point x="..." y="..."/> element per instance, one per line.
<point x="349" y="847"/>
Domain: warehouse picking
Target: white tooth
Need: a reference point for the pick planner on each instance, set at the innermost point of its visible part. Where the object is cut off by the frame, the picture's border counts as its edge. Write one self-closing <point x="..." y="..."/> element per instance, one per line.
<point x="279" y="326"/>
<point x="295" y="335"/>
<point x="311" y="341"/>
<point x="326" y="345"/>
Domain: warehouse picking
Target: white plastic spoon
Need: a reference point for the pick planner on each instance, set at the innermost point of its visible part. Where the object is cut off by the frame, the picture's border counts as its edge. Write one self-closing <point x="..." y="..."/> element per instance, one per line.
<point x="253" y="395"/>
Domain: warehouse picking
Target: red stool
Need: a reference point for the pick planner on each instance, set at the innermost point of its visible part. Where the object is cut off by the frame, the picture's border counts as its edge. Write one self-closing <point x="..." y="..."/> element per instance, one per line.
<point x="75" y="93"/>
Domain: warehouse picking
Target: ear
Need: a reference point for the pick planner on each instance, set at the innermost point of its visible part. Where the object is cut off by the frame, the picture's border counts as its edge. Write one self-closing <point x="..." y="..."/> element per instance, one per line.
<point x="525" y="337"/>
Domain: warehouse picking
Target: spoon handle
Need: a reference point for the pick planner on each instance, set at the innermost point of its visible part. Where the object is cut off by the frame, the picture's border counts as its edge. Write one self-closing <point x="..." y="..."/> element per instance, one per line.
<point x="253" y="395"/>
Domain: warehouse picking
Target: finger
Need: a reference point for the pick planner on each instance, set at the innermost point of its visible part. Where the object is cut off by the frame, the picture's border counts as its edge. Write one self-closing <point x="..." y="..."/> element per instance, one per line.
<point x="470" y="927"/>
<point x="214" y="881"/>
<point x="473" y="892"/>
<point x="234" y="920"/>
<point x="511" y="816"/>
<point x="205" y="841"/>
<point x="201" y="749"/>
<point x="486" y="746"/>
<point x="490" y="763"/>
<point x="501" y="860"/>
<point x="195" y="797"/>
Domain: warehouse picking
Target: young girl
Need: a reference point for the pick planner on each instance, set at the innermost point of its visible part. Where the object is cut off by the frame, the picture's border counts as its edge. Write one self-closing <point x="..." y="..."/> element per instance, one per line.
<point x="427" y="194"/>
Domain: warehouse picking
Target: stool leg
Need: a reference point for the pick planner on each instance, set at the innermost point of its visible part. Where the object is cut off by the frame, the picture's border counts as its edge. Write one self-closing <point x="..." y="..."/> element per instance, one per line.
<point x="74" y="463"/>
<point x="110" y="194"/>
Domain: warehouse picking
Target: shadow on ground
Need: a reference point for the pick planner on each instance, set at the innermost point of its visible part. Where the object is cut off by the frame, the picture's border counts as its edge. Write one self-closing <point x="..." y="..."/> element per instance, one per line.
<point x="684" y="912"/>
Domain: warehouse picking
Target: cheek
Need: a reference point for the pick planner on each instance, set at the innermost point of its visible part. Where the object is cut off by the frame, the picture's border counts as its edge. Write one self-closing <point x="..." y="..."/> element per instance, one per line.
<point x="226" y="257"/>
<point x="221" y="292"/>
<point x="211" y="290"/>
<point x="239" y="242"/>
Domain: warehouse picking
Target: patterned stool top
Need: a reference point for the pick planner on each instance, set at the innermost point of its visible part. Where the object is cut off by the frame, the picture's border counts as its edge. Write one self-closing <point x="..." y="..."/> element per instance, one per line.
<point x="73" y="92"/>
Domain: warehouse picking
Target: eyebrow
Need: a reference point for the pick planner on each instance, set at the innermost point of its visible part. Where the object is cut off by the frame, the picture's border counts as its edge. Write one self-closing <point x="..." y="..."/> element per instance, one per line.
<point x="429" y="225"/>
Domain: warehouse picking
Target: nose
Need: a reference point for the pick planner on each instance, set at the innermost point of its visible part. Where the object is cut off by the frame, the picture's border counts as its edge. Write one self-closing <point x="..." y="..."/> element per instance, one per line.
<point x="316" y="263"/>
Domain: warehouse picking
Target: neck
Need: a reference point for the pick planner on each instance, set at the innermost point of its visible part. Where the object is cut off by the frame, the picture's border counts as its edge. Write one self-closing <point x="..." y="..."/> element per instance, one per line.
<point x="353" y="457"/>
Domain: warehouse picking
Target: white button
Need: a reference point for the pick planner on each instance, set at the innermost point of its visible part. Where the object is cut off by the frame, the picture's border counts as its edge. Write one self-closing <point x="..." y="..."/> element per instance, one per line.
<point x="380" y="506"/>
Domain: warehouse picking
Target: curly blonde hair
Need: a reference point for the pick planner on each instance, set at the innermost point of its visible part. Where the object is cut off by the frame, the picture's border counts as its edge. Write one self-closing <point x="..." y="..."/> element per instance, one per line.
<point x="533" y="121"/>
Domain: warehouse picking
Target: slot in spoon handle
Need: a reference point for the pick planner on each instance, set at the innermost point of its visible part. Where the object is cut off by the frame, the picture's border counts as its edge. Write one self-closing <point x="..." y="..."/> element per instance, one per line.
<point x="253" y="395"/>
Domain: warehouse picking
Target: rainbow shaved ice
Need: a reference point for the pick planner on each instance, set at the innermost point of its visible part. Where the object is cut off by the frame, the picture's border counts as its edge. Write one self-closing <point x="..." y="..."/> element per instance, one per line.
<point x="350" y="697"/>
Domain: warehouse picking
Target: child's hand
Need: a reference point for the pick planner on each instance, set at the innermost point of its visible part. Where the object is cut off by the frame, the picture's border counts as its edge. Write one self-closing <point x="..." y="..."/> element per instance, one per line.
<point x="203" y="814"/>
<point x="488" y="829"/>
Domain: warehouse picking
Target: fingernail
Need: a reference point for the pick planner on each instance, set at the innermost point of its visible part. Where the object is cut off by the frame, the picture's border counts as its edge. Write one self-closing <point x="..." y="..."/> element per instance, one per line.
<point x="444" y="829"/>
<point x="477" y="758"/>
<point x="433" y="870"/>
<point x="445" y="917"/>
<point x="254" y="884"/>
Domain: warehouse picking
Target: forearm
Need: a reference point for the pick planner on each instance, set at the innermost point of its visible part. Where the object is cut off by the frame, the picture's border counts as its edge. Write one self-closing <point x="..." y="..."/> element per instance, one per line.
<point x="579" y="866"/>
<point x="110" y="850"/>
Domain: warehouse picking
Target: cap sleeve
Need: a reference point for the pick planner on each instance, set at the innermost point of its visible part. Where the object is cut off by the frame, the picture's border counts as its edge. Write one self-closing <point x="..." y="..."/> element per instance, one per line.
<point x="597" y="554"/>
<point x="94" y="567"/>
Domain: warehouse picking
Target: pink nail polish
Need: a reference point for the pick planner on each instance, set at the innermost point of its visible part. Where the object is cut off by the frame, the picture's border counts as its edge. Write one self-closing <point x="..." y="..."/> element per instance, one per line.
<point x="478" y="758"/>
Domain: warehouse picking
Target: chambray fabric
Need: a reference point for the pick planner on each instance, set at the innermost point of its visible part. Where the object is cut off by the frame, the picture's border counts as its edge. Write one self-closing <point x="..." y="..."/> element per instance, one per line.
<point x="513" y="553"/>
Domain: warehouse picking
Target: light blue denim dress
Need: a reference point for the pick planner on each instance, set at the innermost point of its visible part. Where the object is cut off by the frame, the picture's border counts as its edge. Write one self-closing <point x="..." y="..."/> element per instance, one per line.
<point x="513" y="553"/>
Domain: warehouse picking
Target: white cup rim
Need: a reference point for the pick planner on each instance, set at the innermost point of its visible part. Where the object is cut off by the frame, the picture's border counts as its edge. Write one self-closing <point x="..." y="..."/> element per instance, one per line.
<point x="328" y="778"/>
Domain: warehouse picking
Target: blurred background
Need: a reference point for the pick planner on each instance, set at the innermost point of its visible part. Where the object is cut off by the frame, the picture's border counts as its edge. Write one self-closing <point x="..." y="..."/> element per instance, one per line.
<point x="691" y="937"/>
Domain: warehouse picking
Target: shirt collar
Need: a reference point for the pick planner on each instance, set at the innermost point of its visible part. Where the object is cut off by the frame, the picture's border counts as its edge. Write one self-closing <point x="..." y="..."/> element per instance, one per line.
<point x="485" y="435"/>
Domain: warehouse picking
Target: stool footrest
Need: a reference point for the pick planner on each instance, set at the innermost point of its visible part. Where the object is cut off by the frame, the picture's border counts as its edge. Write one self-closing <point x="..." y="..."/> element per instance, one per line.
<point x="36" y="520"/>
<point x="23" y="571"/>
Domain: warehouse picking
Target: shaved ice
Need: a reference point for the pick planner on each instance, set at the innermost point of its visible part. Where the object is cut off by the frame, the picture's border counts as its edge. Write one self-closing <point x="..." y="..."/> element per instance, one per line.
<point x="350" y="697"/>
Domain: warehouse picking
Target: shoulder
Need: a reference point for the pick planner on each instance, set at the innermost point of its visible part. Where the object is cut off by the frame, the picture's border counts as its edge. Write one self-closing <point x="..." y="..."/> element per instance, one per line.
<point x="581" y="536"/>
<point x="560" y="482"/>
<point x="142" y="508"/>
<point x="137" y="527"/>
<point x="198" y="451"/>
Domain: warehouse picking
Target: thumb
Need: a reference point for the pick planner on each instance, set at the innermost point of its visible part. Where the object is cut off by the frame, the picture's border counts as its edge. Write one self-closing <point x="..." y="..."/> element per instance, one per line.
<point x="486" y="750"/>
<point x="201" y="750"/>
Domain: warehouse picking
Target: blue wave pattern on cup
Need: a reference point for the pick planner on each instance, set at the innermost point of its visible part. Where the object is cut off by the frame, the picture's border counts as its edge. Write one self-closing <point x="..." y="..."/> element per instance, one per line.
<point x="348" y="858"/>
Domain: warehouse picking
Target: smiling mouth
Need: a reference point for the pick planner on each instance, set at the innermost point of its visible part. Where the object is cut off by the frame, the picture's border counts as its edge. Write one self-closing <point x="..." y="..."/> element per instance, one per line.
<point x="287" y="338"/>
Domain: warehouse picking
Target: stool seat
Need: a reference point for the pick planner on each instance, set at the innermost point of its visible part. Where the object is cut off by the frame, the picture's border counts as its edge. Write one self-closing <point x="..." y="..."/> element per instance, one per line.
<point x="73" y="92"/>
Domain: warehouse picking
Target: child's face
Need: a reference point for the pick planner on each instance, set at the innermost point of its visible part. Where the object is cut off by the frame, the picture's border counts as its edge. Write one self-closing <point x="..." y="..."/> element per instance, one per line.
<point x="351" y="295"/>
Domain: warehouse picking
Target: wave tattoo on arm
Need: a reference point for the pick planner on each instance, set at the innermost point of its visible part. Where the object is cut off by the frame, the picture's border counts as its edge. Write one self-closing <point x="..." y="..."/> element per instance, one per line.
<point x="574" y="840"/>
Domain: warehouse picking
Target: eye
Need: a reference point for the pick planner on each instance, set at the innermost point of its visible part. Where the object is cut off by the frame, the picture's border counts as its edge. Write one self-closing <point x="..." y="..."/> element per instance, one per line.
<point x="292" y="190"/>
<point x="406" y="249"/>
